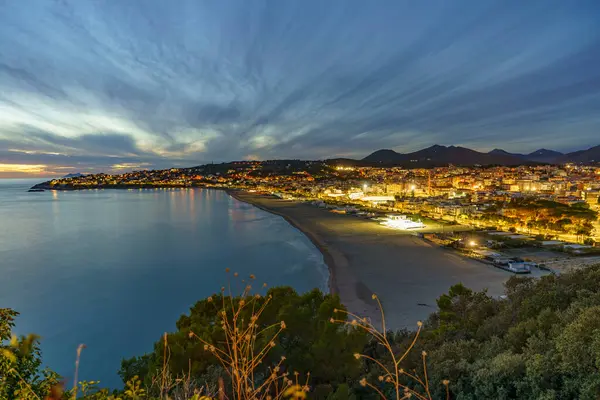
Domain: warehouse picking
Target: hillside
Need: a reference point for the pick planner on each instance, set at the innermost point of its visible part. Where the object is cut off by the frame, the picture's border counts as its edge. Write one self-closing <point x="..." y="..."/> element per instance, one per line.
<point x="583" y="156"/>
<point x="384" y="156"/>
<point x="438" y="155"/>
<point x="544" y="155"/>
<point x="540" y="155"/>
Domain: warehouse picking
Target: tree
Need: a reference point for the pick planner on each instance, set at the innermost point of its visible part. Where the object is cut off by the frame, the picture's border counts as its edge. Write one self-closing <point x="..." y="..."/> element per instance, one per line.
<point x="310" y="343"/>
<point x="542" y="341"/>
<point x="21" y="376"/>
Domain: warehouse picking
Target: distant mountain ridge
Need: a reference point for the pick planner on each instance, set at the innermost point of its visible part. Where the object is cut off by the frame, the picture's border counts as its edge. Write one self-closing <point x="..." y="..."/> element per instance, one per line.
<point x="76" y="175"/>
<point x="438" y="155"/>
<point x="544" y="155"/>
<point x="540" y="155"/>
<point x="582" y="156"/>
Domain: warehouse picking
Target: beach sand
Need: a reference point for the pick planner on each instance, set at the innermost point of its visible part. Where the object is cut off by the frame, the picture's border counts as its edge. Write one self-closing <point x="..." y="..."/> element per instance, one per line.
<point x="407" y="273"/>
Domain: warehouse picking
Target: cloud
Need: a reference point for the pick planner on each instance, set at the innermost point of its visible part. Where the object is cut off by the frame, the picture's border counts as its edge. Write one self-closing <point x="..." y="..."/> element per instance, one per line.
<point x="129" y="166"/>
<point x="23" y="168"/>
<point x="159" y="84"/>
<point x="106" y="144"/>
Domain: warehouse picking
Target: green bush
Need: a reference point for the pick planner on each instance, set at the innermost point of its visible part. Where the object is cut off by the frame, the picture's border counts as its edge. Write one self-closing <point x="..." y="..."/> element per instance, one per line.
<point x="310" y="343"/>
<point x="542" y="341"/>
<point x="21" y="376"/>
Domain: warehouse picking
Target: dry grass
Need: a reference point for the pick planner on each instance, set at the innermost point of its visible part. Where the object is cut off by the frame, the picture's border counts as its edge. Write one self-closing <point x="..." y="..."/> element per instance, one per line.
<point x="246" y="344"/>
<point x="394" y="374"/>
<point x="241" y="355"/>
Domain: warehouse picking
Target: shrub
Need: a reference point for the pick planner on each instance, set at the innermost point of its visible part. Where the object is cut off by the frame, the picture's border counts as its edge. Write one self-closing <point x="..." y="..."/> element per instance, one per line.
<point x="21" y="376"/>
<point x="309" y="343"/>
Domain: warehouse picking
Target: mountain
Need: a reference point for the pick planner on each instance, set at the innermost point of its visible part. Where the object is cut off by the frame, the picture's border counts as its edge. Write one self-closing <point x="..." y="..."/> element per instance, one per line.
<point x="582" y="156"/>
<point x="505" y="153"/>
<point x="555" y="157"/>
<point x="77" y="175"/>
<point x="544" y="155"/>
<point x="384" y="156"/>
<point x="541" y="155"/>
<point x="438" y="155"/>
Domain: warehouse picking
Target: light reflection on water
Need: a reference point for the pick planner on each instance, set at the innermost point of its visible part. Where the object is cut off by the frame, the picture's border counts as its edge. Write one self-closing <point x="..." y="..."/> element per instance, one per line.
<point x="114" y="269"/>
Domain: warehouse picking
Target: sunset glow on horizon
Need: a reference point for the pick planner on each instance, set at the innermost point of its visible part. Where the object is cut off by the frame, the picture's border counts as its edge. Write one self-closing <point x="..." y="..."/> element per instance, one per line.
<point x="108" y="86"/>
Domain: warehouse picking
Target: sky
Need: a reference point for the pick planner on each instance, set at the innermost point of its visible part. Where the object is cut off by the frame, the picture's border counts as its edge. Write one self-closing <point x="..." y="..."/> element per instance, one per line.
<point x="113" y="85"/>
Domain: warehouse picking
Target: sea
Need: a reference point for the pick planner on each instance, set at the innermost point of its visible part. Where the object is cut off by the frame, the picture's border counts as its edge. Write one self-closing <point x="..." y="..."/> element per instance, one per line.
<point x="115" y="269"/>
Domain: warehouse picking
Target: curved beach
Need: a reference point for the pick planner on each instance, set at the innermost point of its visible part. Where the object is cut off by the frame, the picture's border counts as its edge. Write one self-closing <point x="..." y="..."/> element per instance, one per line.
<point x="407" y="273"/>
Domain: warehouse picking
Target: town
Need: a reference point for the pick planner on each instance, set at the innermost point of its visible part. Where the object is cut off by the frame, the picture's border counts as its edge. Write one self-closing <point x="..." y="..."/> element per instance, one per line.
<point x="553" y="202"/>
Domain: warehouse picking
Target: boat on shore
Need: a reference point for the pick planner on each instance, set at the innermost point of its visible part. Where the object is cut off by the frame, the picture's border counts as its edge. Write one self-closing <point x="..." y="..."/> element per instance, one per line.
<point x="516" y="267"/>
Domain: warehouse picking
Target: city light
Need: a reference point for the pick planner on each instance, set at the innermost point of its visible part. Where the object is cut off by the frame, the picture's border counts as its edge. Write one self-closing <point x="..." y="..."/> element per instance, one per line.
<point x="465" y="196"/>
<point x="401" y="222"/>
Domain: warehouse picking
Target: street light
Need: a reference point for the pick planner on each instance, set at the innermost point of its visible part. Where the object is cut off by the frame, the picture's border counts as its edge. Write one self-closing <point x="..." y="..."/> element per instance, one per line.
<point x="472" y="243"/>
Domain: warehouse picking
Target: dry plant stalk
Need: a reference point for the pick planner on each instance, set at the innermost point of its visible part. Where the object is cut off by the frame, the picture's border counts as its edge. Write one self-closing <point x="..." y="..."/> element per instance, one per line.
<point x="75" y="387"/>
<point x="240" y="355"/>
<point x="394" y="373"/>
<point x="181" y="386"/>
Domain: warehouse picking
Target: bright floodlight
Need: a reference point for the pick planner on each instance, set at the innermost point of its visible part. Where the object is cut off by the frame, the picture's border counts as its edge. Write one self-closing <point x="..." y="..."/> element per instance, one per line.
<point x="472" y="243"/>
<point x="401" y="222"/>
<point x="412" y="187"/>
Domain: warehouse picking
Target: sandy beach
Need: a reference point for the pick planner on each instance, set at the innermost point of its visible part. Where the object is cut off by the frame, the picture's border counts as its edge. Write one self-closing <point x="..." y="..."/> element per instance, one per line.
<point x="407" y="273"/>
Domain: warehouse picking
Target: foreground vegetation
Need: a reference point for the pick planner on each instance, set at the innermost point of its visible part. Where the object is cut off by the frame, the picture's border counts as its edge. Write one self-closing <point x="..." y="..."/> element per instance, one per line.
<point x="542" y="341"/>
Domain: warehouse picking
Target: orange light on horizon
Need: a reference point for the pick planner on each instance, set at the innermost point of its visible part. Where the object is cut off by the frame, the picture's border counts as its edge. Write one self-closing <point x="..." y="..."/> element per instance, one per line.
<point x="24" y="168"/>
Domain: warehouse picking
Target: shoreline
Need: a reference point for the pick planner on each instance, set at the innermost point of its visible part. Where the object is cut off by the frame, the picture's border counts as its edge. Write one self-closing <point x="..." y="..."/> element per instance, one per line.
<point x="407" y="273"/>
<point x="45" y="186"/>
<point x="341" y="282"/>
<point x="327" y="257"/>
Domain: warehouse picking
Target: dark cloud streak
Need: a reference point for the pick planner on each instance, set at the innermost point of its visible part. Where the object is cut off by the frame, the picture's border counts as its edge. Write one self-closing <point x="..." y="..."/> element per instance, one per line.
<point x="188" y="82"/>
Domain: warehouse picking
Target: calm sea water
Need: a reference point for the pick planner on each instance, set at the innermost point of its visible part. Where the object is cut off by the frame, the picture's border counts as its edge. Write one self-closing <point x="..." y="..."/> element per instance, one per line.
<point x="115" y="269"/>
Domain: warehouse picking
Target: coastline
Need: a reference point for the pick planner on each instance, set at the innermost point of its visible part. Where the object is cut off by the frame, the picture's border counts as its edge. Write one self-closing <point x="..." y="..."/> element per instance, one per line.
<point x="364" y="258"/>
<point x="327" y="257"/>
<point x="407" y="273"/>
<point x="43" y="186"/>
<point x="341" y="281"/>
